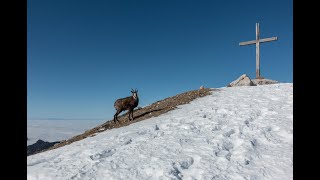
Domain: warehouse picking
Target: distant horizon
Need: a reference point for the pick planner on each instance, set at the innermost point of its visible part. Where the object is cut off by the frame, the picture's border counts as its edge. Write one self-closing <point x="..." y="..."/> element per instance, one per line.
<point x="58" y="119"/>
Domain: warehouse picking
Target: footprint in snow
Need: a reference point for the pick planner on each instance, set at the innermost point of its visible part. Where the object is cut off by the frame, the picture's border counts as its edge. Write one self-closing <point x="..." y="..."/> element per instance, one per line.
<point x="143" y="131"/>
<point x="227" y="146"/>
<point x="223" y="153"/>
<point x="254" y="177"/>
<point x="268" y="134"/>
<point x="216" y="128"/>
<point x="257" y="114"/>
<point x="269" y="128"/>
<point x="254" y="142"/>
<point x="103" y="154"/>
<point x="229" y="133"/>
<point x="219" y="177"/>
<point x="184" y="163"/>
<point x="125" y="140"/>
<point x="176" y="173"/>
<point x="246" y="122"/>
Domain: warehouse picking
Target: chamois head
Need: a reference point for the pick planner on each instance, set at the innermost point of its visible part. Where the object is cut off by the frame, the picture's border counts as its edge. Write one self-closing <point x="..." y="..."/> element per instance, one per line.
<point x="134" y="93"/>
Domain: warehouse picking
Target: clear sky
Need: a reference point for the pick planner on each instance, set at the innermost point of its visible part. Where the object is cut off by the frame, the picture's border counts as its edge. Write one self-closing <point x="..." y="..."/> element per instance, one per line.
<point x="83" y="55"/>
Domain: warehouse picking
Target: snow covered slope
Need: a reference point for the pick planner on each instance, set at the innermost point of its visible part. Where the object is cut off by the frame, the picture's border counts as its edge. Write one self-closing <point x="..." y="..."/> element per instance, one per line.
<point x="235" y="133"/>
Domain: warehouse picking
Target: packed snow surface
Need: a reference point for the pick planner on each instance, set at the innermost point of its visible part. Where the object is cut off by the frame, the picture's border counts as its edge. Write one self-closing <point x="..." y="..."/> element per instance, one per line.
<point x="235" y="133"/>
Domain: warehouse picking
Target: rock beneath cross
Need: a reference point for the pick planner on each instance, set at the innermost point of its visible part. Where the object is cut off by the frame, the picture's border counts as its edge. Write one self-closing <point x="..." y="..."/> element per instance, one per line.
<point x="245" y="80"/>
<point x="263" y="81"/>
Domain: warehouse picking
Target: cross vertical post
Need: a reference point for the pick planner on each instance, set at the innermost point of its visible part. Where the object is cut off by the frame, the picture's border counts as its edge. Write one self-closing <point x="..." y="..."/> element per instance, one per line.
<point x="257" y="51"/>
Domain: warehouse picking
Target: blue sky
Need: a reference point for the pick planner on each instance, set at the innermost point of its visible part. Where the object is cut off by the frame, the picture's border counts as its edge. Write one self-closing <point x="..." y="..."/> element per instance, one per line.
<point x="82" y="55"/>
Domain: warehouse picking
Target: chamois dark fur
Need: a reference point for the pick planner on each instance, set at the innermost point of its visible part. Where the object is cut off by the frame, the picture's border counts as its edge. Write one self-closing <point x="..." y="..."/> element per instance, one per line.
<point x="128" y="103"/>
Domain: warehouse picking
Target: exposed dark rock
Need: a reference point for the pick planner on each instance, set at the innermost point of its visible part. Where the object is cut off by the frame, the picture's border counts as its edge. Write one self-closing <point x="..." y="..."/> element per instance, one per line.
<point x="39" y="146"/>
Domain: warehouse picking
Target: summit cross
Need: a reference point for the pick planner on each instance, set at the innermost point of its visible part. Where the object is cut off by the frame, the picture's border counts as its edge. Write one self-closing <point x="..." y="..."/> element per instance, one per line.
<point x="257" y="42"/>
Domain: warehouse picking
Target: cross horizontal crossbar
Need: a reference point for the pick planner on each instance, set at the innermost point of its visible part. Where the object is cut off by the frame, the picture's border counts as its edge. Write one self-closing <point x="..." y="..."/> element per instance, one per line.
<point x="260" y="41"/>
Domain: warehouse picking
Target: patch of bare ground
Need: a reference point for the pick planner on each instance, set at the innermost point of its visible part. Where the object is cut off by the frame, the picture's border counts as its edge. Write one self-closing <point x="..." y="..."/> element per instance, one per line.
<point x="153" y="110"/>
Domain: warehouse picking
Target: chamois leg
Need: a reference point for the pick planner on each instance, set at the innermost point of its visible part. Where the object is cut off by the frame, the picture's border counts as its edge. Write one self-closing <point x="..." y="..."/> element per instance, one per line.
<point x="115" y="117"/>
<point x="132" y="115"/>
<point x="129" y="114"/>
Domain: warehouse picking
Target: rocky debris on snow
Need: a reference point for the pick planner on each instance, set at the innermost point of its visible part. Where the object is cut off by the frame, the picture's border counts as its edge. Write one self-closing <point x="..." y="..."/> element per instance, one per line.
<point x="139" y="114"/>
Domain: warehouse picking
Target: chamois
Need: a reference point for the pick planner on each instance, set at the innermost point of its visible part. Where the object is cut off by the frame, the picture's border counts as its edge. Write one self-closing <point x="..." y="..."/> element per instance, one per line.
<point x="128" y="103"/>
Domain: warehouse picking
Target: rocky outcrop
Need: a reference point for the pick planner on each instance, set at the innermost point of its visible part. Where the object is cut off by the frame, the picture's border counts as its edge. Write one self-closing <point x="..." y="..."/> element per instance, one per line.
<point x="264" y="81"/>
<point x="39" y="146"/>
<point x="243" y="80"/>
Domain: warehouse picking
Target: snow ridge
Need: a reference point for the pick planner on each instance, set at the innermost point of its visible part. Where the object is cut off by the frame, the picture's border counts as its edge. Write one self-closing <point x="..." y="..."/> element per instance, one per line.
<point x="235" y="133"/>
